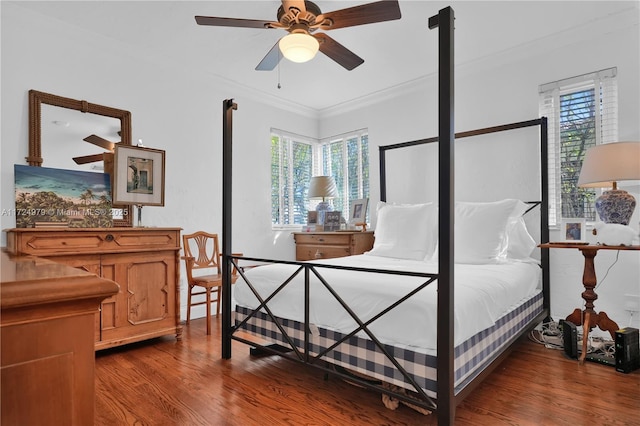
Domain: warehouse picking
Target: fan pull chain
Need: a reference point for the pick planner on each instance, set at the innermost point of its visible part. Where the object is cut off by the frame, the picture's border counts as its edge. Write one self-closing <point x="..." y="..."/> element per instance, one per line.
<point x="279" y="86"/>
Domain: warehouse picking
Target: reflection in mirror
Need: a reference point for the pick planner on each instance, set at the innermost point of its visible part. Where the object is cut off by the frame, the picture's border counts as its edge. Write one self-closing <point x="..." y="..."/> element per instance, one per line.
<point x="58" y="127"/>
<point x="64" y="131"/>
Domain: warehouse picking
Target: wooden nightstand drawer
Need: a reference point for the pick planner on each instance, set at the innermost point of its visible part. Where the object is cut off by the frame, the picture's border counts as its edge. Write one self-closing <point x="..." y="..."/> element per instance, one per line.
<point x="327" y="245"/>
<point x="311" y="252"/>
<point x="323" y="238"/>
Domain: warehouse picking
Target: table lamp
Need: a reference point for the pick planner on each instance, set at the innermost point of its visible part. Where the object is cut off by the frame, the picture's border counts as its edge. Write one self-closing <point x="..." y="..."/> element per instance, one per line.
<point x="322" y="187"/>
<point x="603" y="167"/>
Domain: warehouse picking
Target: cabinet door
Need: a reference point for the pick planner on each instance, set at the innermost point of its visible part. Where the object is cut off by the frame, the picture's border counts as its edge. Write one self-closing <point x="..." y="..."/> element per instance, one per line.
<point x="145" y="304"/>
<point x="89" y="263"/>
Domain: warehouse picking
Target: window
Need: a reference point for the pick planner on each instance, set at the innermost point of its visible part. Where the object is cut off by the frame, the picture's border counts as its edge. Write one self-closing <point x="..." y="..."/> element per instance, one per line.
<point x="582" y="112"/>
<point x="294" y="159"/>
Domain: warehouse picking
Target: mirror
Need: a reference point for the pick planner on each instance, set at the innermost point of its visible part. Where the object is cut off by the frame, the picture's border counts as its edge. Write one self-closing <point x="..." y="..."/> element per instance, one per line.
<point x="65" y="136"/>
<point x="108" y="121"/>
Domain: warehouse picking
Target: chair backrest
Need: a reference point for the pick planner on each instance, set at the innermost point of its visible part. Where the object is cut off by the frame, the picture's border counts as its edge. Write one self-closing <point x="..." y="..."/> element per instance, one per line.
<point x="203" y="248"/>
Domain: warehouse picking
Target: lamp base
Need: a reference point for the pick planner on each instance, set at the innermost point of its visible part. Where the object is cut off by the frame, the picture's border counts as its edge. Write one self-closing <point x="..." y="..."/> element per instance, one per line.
<point x="615" y="206"/>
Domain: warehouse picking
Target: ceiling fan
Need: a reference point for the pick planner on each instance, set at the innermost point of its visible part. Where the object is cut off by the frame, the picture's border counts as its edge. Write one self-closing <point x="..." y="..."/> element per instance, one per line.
<point x="99" y="141"/>
<point x="301" y="19"/>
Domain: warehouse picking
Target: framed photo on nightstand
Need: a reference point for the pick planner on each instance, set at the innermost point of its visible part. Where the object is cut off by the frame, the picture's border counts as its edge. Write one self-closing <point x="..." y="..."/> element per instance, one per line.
<point x="332" y="221"/>
<point x="358" y="211"/>
<point x="574" y="230"/>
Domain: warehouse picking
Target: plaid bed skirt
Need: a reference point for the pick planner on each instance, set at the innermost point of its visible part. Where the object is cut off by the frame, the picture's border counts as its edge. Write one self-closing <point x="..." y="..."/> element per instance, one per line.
<point x="363" y="356"/>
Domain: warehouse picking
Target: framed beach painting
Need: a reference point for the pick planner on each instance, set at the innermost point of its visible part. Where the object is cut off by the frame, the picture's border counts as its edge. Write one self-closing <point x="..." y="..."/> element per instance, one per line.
<point x="61" y="198"/>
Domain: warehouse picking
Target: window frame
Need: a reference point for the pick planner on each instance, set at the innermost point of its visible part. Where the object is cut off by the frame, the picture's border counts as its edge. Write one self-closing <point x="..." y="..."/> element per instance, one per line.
<point x="604" y="82"/>
<point x="319" y="167"/>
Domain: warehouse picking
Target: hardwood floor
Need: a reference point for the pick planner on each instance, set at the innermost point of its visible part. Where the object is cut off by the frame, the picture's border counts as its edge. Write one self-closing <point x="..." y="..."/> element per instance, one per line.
<point x="164" y="382"/>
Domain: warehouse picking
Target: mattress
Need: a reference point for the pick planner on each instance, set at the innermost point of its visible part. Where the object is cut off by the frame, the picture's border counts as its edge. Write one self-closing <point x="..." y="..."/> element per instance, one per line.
<point x="483" y="295"/>
<point x="363" y="356"/>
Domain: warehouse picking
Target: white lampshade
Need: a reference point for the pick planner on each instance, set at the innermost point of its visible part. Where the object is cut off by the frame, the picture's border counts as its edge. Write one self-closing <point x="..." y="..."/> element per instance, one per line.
<point x="322" y="187"/>
<point x="299" y="47"/>
<point x="603" y="167"/>
<point x="608" y="163"/>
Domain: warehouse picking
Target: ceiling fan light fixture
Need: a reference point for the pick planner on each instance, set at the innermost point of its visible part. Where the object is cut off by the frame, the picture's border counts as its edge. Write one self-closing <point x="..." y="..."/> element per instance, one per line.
<point x="299" y="47"/>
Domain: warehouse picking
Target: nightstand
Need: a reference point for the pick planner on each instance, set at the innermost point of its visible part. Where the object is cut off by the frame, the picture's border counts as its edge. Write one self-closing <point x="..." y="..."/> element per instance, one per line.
<point x="589" y="281"/>
<point x="326" y="245"/>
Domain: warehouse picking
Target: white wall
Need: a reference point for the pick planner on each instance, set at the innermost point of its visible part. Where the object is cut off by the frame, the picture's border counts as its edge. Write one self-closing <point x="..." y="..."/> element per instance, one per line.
<point x="176" y="110"/>
<point x="180" y="111"/>
<point x="504" y="89"/>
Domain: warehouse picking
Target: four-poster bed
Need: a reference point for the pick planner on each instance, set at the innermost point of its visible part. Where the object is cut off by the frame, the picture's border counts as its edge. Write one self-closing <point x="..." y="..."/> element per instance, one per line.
<point x="361" y="334"/>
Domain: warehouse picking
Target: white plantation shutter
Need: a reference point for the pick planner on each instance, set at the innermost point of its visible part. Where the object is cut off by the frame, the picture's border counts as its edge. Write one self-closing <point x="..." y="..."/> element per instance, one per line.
<point x="346" y="158"/>
<point x="294" y="159"/>
<point x="291" y="171"/>
<point x="588" y="103"/>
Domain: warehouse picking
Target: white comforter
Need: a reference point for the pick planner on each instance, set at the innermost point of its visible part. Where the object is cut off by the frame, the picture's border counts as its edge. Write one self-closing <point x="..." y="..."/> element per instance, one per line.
<point x="483" y="293"/>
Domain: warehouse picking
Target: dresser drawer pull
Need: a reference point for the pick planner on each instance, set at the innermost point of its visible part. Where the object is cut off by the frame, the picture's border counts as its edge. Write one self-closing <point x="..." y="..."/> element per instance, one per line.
<point x="321" y="239"/>
<point x="319" y="254"/>
<point x="109" y="237"/>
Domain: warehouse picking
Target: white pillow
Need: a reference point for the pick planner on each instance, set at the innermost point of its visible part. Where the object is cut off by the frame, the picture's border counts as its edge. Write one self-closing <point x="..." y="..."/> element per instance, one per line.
<point x="404" y="231"/>
<point x="520" y="244"/>
<point x="480" y="229"/>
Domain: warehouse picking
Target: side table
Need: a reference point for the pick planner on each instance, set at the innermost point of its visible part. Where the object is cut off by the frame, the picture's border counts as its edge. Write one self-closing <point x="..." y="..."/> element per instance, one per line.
<point x="589" y="281"/>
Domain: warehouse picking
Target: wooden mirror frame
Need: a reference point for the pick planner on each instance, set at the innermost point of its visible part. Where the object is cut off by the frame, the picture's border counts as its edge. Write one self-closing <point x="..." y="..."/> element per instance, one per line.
<point x="36" y="99"/>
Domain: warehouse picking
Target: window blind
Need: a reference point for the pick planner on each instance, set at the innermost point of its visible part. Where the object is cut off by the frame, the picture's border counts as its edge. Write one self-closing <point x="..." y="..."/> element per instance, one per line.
<point x="295" y="158"/>
<point x="582" y="111"/>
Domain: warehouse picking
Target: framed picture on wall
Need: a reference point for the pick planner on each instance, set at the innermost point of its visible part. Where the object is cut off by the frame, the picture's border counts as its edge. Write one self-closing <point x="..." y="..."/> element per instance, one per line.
<point x="574" y="230"/>
<point x="138" y="176"/>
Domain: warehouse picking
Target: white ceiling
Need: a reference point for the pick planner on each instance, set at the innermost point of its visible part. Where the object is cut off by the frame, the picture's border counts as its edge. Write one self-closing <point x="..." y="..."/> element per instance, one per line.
<point x="395" y="52"/>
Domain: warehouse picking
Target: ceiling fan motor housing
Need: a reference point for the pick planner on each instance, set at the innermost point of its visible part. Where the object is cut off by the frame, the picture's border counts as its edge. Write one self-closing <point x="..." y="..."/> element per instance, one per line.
<point x="294" y="16"/>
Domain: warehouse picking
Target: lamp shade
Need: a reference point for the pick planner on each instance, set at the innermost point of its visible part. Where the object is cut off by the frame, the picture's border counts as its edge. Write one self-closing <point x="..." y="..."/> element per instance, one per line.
<point x="608" y="163"/>
<point x="603" y="167"/>
<point x="322" y="187"/>
<point x="299" y="47"/>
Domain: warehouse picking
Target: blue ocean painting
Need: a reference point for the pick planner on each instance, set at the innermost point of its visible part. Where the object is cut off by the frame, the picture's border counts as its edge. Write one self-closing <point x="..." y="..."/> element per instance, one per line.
<point x="68" y="197"/>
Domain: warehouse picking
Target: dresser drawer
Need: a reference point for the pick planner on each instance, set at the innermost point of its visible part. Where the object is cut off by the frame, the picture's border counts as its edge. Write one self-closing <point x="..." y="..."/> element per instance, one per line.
<point x="107" y="240"/>
<point x="326" y="245"/>
<point x="322" y="239"/>
<point x="315" y="252"/>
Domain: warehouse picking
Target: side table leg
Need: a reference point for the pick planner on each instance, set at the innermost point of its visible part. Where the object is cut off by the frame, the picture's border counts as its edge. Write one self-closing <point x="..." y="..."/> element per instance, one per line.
<point x="585" y="336"/>
<point x="607" y="324"/>
<point x="575" y="317"/>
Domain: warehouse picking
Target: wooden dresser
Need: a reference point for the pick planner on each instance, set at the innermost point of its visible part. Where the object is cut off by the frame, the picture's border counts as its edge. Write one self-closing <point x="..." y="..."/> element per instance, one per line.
<point x="143" y="261"/>
<point x="326" y="245"/>
<point x="47" y="352"/>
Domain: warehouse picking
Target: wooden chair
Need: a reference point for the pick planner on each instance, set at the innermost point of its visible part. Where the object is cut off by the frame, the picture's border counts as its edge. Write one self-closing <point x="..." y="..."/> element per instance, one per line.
<point x="208" y="259"/>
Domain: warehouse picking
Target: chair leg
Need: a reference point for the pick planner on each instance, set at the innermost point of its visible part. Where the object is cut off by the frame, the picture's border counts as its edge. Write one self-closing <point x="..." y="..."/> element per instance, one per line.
<point x="189" y="304"/>
<point x="208" y="305"/>
<point x="218" y="301"/>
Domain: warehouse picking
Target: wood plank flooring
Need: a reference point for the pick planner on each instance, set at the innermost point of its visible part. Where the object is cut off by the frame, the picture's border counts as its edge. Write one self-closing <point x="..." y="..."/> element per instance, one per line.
<point x="164" y="382"/>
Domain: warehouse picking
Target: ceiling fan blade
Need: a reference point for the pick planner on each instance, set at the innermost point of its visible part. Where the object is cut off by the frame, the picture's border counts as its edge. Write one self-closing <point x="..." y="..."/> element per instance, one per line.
<point x="101" y="142"/>
<point x="233" y="22"/>
<point x="338" y="52"/>
<point x="271" y="59"/>
<point x="380" y="11"/>
<point x="85" y="159"/>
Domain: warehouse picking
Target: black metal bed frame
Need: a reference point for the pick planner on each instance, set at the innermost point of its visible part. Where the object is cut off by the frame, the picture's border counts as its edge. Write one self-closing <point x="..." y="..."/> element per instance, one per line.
<point x="447" y="400"/>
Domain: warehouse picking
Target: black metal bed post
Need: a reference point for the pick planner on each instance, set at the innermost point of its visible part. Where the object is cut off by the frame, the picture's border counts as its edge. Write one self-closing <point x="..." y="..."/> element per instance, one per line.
<point x="544" y="214"/>
<point x="383" y="173"/>
<point x="227" y="143"/>
<point x="445" y="366"/>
